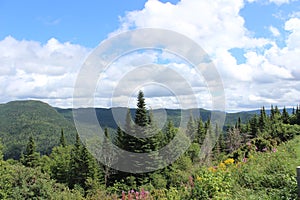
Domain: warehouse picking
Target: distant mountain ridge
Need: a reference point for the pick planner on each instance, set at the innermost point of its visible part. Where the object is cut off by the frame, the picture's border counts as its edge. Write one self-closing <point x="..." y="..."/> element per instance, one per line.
<point x="20" y="119"/>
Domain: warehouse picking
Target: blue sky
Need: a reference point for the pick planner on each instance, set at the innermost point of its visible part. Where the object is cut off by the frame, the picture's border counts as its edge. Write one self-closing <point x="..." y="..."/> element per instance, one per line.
<point x="88" y="23"/>
<point x="253" y="43"/>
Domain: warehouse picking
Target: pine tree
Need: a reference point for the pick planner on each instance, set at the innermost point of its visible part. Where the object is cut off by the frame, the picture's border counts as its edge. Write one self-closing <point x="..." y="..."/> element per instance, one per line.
<point x="200" y="136"/>
<point x="60" y="165"/>
<point x="31" y="157"/>
<point x="141" y="118"/>
<point x="263" y="120"/>
<point x="1" y="150"/>
<point x="107" y="155"/>
<point x="170" y="132"/>
<point x="62" y="140"/>
<point x="239" y="123"/>
<point x="285" y="116"/>
<point x="82" y="165"/>
<point x="191" y="128"/>
<point x="254" y="126"/>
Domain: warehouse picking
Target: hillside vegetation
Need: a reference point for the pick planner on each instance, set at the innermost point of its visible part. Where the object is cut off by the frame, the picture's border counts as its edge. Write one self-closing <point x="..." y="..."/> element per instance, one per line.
<point x="255" y="159"/>
<point x="21" y="119"/>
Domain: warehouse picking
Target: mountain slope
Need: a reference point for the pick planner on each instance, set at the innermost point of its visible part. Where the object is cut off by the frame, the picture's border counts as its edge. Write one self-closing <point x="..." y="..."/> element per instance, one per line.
<point x="20" y="119"/>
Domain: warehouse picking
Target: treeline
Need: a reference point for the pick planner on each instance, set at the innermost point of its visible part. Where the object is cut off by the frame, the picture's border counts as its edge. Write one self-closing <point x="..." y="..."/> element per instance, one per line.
<point x="70" y="171"/>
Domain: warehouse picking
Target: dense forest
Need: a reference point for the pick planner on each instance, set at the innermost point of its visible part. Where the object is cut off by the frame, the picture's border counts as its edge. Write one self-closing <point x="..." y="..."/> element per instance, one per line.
<point x="253" y="158"/>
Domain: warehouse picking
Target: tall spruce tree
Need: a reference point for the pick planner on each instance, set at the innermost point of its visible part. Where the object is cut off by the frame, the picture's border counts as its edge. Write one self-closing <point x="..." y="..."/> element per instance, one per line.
<point x="285" y="116"/>
<point x="141" y="118"/>
<point x="62" y="139"/>
<point x="31" y="156"/>
<point x="201" y="132"/>
<point x="82" y="165"/>
<point x="1" y="150"/>
<point x="263" y="120"/>
<point x="254" y="126"/>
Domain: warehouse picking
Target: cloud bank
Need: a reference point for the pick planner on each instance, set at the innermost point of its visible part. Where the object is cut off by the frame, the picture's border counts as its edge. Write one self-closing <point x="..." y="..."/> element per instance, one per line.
<point x="269" y="74"/>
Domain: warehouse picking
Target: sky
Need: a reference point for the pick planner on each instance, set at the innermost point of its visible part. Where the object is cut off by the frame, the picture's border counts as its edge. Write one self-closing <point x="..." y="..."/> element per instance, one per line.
<point x="254" y="45"/>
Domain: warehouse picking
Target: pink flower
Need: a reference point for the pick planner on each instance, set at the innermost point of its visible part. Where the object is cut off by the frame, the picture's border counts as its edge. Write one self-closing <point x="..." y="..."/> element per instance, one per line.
<point x="123" y="195"/>
<point x="244" y="159"/>
<point x="137" y="195"/>
<point x="274" y="150"/>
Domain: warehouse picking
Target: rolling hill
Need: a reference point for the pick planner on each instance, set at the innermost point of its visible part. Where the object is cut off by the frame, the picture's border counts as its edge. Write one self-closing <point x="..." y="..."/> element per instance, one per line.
<point x="20" y="119"/>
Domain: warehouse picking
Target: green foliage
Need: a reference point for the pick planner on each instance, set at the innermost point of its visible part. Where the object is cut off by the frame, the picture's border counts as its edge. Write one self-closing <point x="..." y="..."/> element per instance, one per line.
<point x="212" y="185"/>
<point x="31" y="157"/>
<point x="19" y="182"/>
<point x="60" y="163"/>
<point x="141" y="117"/>
<point x="274" y="178"/>
<point x="82" y="165"/>
<point x="1" y="150"/>
<point x="20" y="119"/>
<point x="62" y="140"/>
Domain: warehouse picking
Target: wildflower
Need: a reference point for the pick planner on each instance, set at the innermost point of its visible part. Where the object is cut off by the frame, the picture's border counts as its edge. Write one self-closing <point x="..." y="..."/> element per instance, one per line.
<point x="198" y="178"/>
<point x="123" y="195"/>
<point x="212" y="169"/>
<point x="264" y="149"/>
<point x="222" y="166"/>
<point x="244" y="159"/>
<point x="229" y="161"/>
<point x="274" y="150"/>
<point x="137" y="195"/>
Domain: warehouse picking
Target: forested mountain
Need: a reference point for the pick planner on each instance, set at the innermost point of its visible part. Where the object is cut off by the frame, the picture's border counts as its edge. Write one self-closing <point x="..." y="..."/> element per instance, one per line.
<point x="216" y="164"/>
<point x="21" y="119"/>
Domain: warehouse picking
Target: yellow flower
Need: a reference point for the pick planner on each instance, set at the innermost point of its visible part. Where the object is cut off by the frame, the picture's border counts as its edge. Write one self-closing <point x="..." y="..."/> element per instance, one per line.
<point x="222" y="166"/>
<point x="212" y="169"/>
<point x="198" y="178"/>
<point x="229" y="161"/>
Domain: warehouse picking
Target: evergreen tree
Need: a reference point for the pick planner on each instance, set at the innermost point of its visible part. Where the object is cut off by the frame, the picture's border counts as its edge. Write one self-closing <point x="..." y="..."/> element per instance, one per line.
<point x="141" y="118"/>
<point x="285" y="116"/>
<point x="263" y="120"/>
<point x="239" y="123"/>
<point x="31" y="156"/>
<point x="200" y="135"/>
<point x="191" y="128"/>
<point x="254" y="126"/>
<point x="60" y="165"/>
<point x="62" y="140"/>
<point x="219" y="143"/>
<point x="298" y="115"/>
<point x="170" y="132"/>
<point x="82" y="165"/>
<point x="293" y="112"/>
<point x="107" y="155"/>
<point x="1" y="150"/>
